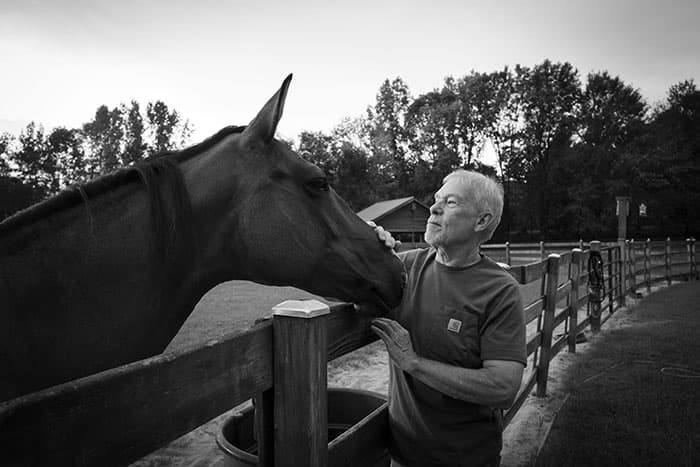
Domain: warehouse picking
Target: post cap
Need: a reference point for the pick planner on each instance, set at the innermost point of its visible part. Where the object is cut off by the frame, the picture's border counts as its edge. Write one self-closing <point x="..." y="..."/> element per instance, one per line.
<point x="301" y="309"/>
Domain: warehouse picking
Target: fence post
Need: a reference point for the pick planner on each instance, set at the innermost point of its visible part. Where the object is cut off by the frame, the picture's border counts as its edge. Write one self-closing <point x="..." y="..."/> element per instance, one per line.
<point x="647" y="264"/>
<point x="692" y="258"/>
<point x="575" y="278"/>
<point x="552" y="280"/>
<point x="300" y="383"/>
<point x="508" y="253"/>
<point x="542" y="250"/>
<point x="633" y="268"/>
<point x="623" y="273"/>
<point x="580" y="244"/>
<point x="594" y="297"/>
<point x="611" y="290"/>
<point x="667" y="260"/>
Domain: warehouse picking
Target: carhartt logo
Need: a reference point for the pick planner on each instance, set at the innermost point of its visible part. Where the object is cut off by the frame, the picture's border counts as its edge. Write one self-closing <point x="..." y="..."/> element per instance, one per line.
<point x="454" y="325"/>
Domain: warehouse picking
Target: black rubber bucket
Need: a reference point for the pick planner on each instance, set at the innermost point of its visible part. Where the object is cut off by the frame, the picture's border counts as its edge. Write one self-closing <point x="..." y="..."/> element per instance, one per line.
<point x="346" y="407"/>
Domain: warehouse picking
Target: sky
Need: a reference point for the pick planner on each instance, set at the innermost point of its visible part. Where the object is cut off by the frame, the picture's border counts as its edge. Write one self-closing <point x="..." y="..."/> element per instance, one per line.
<point x="217" y="62"/>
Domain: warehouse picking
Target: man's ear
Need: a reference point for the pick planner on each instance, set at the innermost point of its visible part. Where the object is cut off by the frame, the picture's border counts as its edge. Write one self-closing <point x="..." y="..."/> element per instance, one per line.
<point x="483" y="222"/>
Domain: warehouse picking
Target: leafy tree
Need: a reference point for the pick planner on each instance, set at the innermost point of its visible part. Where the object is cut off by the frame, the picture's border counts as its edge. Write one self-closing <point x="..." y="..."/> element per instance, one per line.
<point x="5" y="142"/>
<point x="134" y="145"/>
<point x="37" y="166"/>
<point x="104" y="135"/>
<point x="66" y="145"/>
<point x="387" y="132"/>
<point x="550" y="96"/>
<point x="167" y="129"/>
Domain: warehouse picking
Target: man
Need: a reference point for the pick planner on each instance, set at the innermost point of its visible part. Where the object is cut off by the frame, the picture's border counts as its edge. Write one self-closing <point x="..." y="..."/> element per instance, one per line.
<point x="457" y="341"/>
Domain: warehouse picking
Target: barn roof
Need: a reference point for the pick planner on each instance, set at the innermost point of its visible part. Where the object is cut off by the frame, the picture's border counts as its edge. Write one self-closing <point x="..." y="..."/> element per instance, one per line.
<point x="382" y="208"/>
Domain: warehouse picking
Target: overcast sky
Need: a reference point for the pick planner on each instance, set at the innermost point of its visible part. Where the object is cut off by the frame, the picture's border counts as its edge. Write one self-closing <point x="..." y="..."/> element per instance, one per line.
<point x="217" y="62"/>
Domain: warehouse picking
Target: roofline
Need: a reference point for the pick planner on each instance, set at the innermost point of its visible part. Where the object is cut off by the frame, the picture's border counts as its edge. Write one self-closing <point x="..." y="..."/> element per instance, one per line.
<point x="399" y="206"/>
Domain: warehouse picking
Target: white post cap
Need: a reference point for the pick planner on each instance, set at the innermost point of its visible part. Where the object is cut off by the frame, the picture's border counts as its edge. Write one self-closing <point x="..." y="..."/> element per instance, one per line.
<point x="301" y="309"/>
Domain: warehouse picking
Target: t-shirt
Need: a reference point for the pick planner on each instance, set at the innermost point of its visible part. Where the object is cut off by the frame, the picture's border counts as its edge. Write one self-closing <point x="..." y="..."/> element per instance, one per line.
<point x="461" y="317"/>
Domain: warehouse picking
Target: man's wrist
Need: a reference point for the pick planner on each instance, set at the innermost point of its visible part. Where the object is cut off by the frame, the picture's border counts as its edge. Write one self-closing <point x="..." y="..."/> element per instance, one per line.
<point x="412" y="364"/>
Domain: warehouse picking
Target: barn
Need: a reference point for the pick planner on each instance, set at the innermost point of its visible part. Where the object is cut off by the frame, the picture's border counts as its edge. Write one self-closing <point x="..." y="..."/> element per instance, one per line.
<point x="405" y="218"/>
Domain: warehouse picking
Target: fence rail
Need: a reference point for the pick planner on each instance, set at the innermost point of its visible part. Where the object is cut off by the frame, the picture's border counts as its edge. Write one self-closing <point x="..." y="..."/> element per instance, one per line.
<point x="123" y="414"/>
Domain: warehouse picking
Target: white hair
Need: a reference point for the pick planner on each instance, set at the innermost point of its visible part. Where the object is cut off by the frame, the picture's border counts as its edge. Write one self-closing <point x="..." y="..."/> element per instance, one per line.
<point x="487" y="193"/>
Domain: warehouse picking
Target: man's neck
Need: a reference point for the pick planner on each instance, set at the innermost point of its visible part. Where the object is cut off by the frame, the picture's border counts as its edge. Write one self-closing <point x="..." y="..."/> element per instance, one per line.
<point x="461" y="257"/>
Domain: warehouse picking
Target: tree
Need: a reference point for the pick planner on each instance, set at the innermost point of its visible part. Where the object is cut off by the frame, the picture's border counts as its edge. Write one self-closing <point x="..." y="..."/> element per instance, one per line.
<point x="550" y="97"/>
<point x="387" y="133"/>
<point x="37" y="166"/>
<point x="167" y="129"/>
<point x="66" y="146"/>
<point x="134" y="146"/>
<point x="104" y="135"/>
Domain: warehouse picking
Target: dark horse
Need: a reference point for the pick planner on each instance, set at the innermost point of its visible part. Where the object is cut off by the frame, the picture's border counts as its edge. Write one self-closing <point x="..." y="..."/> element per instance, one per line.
<point x="106" y="273"/>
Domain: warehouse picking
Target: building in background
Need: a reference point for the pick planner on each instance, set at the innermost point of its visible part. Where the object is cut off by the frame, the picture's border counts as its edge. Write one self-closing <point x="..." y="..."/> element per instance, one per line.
<point x="405" y="218"/>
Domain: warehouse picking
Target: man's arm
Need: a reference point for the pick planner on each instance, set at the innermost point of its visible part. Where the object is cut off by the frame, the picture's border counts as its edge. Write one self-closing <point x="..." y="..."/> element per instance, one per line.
<point x="495" y="384"/>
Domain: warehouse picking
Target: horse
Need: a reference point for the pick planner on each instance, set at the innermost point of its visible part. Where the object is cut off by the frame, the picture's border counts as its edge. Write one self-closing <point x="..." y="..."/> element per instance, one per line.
<point x="107" y="272"/>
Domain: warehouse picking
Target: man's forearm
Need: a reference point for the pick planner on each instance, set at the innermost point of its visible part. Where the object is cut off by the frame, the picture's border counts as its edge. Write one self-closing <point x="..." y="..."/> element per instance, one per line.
<point x="483" y="386"/>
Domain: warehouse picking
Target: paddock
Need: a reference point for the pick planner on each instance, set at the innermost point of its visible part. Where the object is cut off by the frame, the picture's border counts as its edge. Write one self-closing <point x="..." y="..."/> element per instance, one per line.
<point x="122" y="414"/>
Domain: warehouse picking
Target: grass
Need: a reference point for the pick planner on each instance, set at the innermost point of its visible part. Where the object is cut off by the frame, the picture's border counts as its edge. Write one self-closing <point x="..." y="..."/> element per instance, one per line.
<point x="633" y="397"/>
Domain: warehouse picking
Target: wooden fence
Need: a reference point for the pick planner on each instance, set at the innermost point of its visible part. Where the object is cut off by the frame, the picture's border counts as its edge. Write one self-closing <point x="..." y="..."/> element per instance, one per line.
<point x="122" y="414"/>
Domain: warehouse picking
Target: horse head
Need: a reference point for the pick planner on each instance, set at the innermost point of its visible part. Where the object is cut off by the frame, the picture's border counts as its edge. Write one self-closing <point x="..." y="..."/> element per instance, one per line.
<point x="284" y="225"/>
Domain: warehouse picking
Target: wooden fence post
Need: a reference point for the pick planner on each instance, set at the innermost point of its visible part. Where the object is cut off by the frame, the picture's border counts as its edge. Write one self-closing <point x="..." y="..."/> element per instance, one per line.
<point x="667" y="260"/>
<point x="300" y="383"/>
<point x="552" y="280"/>
<point x="542" y="253"/>
<point x="580" y="244"/>
<point x="623" y="273"/>
<point x="692" y="258"/>
<point x="594" y="297"/>
<point x="647" y="264"/>
<point x="633" y="268"/>
<point x="575" y="278"/>
<point x="508" y="253"/>
<point x="611" y="290"/>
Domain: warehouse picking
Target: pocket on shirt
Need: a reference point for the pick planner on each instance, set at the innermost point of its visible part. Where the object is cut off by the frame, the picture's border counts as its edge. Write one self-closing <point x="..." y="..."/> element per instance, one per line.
<point x="454" y="337"/>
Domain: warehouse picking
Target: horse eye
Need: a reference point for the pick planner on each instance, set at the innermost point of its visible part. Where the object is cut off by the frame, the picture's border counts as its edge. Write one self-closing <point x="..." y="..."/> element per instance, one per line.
<point x="318" y="184"/>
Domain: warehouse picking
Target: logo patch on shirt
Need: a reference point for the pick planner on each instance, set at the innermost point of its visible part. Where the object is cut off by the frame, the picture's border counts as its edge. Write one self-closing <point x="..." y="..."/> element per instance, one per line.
<point x="454" y="325"/>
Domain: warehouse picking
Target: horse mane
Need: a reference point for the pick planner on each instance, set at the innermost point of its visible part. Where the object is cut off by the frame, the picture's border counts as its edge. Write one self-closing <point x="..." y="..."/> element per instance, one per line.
<point x="151" y="171"/>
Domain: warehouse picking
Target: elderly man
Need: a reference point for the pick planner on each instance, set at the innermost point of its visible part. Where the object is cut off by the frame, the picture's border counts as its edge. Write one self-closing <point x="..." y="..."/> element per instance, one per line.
<point x="457" y="341"/>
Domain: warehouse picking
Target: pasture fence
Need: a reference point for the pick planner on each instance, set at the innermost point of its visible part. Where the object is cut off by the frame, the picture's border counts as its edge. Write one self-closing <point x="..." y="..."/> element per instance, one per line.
<point x="120" y="415"/>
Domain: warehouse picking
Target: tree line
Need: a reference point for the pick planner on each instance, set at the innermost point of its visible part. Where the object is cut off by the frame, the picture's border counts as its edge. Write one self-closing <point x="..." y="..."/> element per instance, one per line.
<point x="563" y="149"/>
<point x="37" y="164"/>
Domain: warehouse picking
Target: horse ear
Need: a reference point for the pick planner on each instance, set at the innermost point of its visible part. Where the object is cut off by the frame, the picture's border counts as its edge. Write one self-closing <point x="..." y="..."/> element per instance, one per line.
<point x="264" y="125"/>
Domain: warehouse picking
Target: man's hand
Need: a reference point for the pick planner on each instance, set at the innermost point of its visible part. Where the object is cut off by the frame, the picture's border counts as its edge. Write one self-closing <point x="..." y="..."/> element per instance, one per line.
<point x="397" y="341"/>
<point x="384" y="236"/>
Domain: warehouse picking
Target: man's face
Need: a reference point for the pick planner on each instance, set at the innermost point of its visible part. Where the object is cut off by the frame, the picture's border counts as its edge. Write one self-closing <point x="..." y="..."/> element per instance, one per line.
<point x="453" y="215"/>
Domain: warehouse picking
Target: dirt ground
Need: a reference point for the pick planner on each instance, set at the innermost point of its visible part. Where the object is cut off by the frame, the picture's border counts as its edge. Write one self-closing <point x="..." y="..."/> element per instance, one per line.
<point x="368" y="369"/>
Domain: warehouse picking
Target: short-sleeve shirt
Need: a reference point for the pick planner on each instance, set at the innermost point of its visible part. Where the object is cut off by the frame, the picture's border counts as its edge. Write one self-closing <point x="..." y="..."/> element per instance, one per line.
<point x="461" y="317"/>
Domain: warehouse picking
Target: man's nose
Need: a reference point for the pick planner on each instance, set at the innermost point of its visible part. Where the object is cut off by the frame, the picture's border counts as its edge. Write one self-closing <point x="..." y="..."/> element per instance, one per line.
<point x="436" y="207"/>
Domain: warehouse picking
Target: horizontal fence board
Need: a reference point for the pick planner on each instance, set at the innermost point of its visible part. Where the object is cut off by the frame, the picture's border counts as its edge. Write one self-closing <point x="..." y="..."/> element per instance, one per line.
<point x="561" y="317"/>
<point x="582" y="301"/>
<point x="585" y="322"/>
<point x="533" y="310"/>
<point x="347" y="331"/>
<point x="557" y="346"/>
<point x="122" y="414"/>
<point x="534" y="342"/>
<point x="364" y="443"/>
<point x="524" y="392"/>
<point x="563" y="291"/>
<point x="532" y="272"/>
